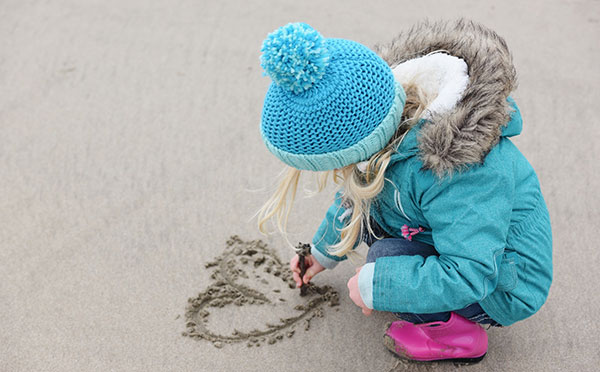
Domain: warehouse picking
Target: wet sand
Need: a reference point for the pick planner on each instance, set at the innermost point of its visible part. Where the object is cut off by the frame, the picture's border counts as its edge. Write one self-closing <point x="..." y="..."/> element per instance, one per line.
<point x="253" y="260"/>
<point x="130" y="151"/>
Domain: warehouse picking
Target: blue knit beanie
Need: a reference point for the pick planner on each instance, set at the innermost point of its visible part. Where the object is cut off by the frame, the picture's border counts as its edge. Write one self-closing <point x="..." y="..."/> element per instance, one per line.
<point x="332" y="102"/>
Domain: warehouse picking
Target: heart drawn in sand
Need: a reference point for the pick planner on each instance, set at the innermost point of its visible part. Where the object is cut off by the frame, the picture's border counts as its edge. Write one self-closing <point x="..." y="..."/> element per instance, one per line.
<point x="250" y="274"/>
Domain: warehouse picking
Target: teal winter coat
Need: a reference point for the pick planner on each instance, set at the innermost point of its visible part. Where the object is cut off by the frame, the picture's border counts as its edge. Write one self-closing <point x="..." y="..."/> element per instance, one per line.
<point x="488" y="222"/>
<point x="458" y="177"/>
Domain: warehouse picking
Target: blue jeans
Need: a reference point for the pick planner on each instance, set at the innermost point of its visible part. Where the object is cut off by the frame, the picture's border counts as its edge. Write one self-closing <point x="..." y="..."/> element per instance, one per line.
<point x="389" y="246"/>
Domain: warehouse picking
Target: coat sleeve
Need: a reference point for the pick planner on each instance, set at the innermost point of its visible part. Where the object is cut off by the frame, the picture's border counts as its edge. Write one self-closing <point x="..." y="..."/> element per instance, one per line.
<point x="469" y="216"/>
<point x="329" y="233"/>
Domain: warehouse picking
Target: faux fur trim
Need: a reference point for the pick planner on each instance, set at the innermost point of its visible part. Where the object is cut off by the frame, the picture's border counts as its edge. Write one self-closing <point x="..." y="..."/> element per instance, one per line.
<point x="464" y="135"/>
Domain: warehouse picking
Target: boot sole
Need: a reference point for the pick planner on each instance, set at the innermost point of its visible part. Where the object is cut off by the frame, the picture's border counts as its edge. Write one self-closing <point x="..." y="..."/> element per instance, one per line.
<point x="389" y="343"/>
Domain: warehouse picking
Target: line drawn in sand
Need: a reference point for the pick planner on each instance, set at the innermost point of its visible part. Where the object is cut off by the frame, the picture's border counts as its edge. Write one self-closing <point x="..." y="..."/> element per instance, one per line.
<point x="252" y="263"/>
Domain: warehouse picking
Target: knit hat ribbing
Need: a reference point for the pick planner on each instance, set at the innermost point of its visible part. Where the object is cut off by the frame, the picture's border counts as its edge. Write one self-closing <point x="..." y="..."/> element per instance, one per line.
<point x="332" y="103"/>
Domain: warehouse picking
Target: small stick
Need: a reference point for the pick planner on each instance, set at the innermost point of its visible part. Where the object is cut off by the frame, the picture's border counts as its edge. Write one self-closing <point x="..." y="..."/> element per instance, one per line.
<point x="302" y="250"/>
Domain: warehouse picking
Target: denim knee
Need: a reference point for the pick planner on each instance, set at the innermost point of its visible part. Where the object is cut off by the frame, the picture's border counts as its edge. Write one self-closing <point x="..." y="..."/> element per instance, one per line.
<point x="376" y="250"/>
<point x="398" y="247"/>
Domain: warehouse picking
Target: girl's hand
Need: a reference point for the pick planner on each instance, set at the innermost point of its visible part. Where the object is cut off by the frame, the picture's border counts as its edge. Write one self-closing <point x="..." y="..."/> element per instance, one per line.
<point x="313" y="267"/>
<point x="355" y="293"/>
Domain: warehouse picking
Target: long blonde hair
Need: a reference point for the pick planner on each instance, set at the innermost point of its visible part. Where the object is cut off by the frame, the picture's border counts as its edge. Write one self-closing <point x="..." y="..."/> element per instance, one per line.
<point x="358" y="187"/>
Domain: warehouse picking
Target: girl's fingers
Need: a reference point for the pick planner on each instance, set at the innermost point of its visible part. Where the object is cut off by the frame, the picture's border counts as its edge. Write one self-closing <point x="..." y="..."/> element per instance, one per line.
<point x="294" y="264"/>
<point x="307" y="276"/>
<point x="296" y="277"/>
<point x="311" y="270"/>
<point x="310" y="273"/>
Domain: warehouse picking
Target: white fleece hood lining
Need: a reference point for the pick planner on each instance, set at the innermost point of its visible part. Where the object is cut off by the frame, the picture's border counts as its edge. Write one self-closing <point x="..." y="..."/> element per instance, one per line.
<point x="440" y="75"/>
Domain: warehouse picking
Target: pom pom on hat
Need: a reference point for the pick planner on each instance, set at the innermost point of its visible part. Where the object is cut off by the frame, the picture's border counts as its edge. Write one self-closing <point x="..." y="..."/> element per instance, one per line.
<point x="294" y="56"/>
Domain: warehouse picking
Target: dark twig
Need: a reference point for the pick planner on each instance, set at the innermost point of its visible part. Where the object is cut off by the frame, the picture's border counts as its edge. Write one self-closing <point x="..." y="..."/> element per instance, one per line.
<point x="302" y="250"/>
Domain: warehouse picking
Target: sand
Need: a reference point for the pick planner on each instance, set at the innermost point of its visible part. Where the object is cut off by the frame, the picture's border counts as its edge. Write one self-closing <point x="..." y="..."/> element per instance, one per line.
<point x="130" y="151"/>
<point x="245" y="260"/>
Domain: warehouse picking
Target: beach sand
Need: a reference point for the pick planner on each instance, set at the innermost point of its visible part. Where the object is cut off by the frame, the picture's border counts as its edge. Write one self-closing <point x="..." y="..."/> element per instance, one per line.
<point x="130" y="154"/>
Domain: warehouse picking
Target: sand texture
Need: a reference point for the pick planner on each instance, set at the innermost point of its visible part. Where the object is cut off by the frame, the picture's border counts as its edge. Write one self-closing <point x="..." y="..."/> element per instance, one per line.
<point x="259" y="266"/>
<point x="130" y="153"/>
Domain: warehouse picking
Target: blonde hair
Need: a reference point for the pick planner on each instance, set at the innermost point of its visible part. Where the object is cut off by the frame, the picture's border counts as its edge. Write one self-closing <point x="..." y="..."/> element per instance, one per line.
<point x="358" y="187"/>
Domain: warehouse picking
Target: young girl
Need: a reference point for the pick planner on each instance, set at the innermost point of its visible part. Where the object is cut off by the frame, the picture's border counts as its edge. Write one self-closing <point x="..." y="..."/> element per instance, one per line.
<point x="457" y="228"/>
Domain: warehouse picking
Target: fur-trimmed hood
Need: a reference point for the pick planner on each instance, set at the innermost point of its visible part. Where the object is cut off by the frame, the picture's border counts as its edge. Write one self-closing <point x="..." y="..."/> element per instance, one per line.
<point x="465" y="134"/>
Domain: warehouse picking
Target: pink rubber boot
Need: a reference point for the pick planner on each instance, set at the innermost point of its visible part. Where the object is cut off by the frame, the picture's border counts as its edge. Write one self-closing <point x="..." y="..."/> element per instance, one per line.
<point x="458" y="340"/>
